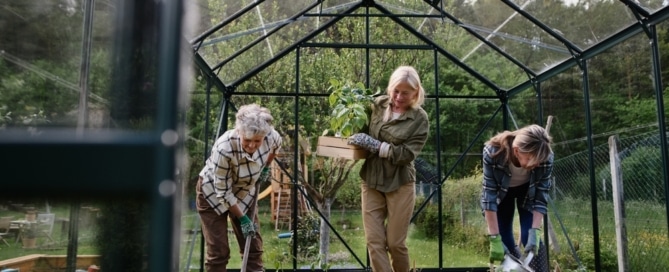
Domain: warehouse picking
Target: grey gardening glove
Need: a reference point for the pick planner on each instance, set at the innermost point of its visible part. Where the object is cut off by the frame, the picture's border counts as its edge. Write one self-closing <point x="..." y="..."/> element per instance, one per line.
<point x="248" y="228"/>
<point x="264" y="175"/>
<point x="365" y="141"/>
<point x="533" y="240"/>
<point x="497" y="248"/>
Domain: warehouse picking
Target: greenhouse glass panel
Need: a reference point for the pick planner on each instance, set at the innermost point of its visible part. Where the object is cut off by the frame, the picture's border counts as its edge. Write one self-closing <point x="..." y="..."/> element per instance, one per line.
<point x="583" y="23"/>
<point x="652" y="5"/>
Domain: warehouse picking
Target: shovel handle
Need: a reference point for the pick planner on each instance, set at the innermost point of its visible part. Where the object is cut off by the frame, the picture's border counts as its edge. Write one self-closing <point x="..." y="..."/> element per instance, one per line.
<point x="247" y="246"/>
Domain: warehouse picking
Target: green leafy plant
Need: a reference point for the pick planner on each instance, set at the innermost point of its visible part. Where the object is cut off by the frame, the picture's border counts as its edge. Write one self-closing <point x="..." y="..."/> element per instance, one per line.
<point x="350" y="104"/>
<point x="308" y="228"/>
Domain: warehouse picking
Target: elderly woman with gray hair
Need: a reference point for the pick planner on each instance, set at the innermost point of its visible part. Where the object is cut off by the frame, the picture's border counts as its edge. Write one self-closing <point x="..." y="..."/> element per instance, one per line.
<point x="517" y="168"/>
<point x="227" y="186"/>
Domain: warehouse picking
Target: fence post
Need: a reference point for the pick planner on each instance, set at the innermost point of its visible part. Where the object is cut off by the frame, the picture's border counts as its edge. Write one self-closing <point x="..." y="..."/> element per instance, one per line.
<point x="618" y="204"/>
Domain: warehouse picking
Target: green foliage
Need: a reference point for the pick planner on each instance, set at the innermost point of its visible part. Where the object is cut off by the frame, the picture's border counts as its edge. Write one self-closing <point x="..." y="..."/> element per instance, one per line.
<point x="28" y="99"/>
<point x="642" y="172"/>
<point x="607" y="257"/>
<point x="124" y="238"/>
<point x="350" y="104"/>
<point x="458" y="196"/>
<point x="427" y="222"/>
<point x="348" y="195"/>
<point x="308" y="231"/>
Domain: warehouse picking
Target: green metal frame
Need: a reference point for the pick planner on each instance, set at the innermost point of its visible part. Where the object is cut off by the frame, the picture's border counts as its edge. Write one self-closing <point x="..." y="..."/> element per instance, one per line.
<point x="141" y="164"/>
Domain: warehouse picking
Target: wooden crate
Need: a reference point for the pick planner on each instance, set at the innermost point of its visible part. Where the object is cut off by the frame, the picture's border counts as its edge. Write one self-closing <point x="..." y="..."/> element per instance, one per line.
<point x="338" y="148"/>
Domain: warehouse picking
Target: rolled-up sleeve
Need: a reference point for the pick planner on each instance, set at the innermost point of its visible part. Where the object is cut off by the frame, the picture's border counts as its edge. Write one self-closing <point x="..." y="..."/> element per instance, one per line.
<point x="543" y="187"/>
<point x="490" y="186"/>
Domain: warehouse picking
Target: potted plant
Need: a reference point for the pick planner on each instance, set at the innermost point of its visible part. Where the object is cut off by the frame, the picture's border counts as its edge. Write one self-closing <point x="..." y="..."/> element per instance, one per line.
<point x="351" y="105"/>
<point x="29" y="235"/>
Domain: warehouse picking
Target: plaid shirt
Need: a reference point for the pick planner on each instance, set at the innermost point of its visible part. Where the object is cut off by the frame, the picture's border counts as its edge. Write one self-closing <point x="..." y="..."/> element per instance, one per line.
<point x="230" y="174"/>
<point x="496" y="178"/>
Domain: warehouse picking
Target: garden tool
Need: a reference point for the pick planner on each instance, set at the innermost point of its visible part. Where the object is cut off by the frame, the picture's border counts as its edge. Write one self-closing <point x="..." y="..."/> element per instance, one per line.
<point x="247" y="246"/>
<point x="513" y="264"/>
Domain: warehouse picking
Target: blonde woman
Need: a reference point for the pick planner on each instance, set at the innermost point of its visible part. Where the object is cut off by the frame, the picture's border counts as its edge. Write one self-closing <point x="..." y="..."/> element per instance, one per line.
<point x="517" y="167"/>
<point x="398" y="131"/>
<point x="227" y="186"/>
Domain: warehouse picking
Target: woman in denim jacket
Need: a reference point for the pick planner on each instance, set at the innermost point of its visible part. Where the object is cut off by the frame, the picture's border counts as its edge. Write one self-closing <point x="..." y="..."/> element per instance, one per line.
<point x="517" y="167"/>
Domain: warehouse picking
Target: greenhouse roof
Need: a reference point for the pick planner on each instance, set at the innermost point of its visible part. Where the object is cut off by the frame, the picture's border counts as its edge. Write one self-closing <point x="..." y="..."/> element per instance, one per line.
<point x="533" y="39"/>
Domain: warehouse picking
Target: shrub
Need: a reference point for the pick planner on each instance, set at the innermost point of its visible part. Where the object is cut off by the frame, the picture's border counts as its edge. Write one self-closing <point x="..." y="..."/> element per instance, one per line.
<point x="308" y="232"/>
<point x="427" y="221"/>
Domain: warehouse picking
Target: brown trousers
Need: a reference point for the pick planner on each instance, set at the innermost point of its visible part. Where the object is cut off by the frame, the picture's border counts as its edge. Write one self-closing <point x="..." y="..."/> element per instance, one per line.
<point x="386" y="218"/>
<point x="215" y="231"/>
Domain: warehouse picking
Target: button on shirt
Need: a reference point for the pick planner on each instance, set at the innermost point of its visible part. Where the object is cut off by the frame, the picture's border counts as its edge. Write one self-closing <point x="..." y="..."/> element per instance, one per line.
<point x="230" y="174"/>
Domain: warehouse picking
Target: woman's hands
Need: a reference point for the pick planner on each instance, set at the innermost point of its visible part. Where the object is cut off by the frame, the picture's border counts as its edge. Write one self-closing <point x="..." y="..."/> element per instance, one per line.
<point x="365" y="141"/>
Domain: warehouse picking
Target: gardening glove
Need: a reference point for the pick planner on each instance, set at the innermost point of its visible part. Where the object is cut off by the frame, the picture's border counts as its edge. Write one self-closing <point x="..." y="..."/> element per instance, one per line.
<point x="533" y="241"/>
<point x="264" y="175"/>
<point x="497" y="248"/>
<point x="248" y="228"/>
<point x="365" y="141"/>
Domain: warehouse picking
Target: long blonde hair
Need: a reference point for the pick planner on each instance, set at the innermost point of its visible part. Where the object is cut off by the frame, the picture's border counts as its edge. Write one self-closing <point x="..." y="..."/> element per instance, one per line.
<point x="408" y="75"/>
<point x="532" y="139"/>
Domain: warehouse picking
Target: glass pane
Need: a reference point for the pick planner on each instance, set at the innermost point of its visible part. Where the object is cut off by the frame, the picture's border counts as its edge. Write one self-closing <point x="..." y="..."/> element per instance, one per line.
<point x="652" y="5"/>
<point x="570" y="170"/>
<point x="257" y="36"/>
<point x="41" y="58"/>
<point x="628" y="114"/>
<point x="67" y="64"/>
<point x="583" y="23"/>
<point x="39" y="230"/>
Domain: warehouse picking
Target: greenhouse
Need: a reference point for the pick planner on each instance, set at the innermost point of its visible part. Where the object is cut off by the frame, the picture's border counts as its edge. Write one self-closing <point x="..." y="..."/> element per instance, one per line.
<point x="110" y="109"/>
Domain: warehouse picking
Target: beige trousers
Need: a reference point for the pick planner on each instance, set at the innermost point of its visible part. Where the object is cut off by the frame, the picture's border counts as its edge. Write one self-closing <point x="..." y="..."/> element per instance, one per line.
<point x="386" y="218"/>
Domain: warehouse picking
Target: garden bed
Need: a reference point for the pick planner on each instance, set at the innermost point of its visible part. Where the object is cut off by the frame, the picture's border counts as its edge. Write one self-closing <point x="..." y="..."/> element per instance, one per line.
<point x="47" y="263"/>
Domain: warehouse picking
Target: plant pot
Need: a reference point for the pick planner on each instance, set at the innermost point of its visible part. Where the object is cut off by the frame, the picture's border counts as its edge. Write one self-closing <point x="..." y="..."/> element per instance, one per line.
<point x="336" y="147"/>
<point x="29" y="243"/>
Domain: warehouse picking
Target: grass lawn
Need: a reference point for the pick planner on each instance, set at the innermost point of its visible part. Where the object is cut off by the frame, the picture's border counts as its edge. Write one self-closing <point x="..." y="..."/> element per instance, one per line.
<point x="423" y="251"/>
<point x="57" y="245"/>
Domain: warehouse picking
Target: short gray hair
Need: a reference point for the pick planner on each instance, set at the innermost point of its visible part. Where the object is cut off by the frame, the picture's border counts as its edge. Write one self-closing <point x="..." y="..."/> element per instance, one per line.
<point x="253" y="120"/>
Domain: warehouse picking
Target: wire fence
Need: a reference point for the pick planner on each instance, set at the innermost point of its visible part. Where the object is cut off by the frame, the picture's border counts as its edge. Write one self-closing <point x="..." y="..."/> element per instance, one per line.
<point x="577" y="210"/>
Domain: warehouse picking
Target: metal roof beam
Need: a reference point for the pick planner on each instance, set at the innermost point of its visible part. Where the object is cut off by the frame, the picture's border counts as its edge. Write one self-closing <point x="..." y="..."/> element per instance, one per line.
<point x="479" y="37"/>
<point x="598" y="48"/>
<point x="263" y="37"/>
<point x="285" y="52"/>
<point x="544" y="27"/>
<point x="228" y="20"/>
<point x="442" y="51"/>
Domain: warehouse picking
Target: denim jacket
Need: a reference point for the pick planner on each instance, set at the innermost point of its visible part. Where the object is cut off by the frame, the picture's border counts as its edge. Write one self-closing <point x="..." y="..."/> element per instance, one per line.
<point x="496" y="178"/>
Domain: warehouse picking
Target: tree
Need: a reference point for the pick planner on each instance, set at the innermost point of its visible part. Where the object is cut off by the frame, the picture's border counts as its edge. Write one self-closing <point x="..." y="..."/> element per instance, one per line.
<point x="334" y="172"/>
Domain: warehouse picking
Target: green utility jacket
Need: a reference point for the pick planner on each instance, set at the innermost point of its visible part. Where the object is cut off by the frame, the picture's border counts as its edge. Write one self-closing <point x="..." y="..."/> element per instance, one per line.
<point x="406" y="135"/>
